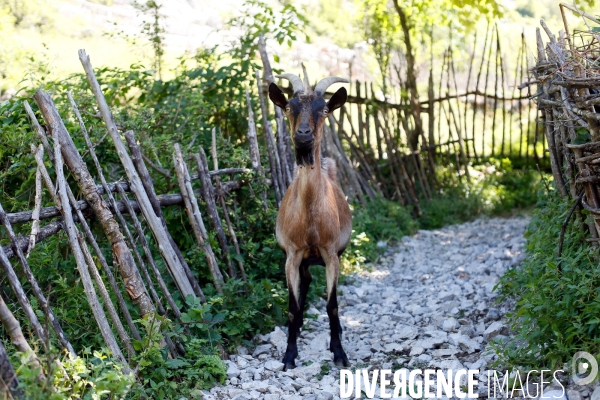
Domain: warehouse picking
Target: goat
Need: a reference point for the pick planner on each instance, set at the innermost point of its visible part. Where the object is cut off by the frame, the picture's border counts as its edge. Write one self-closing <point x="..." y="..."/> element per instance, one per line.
<point x="314" y="222"/>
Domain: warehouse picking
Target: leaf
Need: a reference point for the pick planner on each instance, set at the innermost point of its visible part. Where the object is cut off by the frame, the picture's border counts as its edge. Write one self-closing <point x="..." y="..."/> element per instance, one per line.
<point x="177" y="363"/>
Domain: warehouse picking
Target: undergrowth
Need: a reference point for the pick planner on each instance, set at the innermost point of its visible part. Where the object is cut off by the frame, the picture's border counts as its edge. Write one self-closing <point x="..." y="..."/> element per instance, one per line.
<point x="495" y="188"/>
<point x="557" y="302"/>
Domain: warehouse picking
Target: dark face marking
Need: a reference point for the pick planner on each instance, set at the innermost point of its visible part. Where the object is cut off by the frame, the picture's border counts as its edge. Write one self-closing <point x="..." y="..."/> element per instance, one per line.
<point x="306" y="114"/>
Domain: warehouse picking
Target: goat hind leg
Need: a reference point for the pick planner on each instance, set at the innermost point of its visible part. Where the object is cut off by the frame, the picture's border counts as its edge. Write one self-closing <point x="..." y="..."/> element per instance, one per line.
<point x="292" y="272"/>
<point x="335" y="345"/>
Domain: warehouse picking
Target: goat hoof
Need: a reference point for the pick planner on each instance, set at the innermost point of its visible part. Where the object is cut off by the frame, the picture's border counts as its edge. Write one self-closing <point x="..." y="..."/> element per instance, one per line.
<point x="289" y="365"/>
<point x="340" y="359"/>
<point x="341" y="362"/>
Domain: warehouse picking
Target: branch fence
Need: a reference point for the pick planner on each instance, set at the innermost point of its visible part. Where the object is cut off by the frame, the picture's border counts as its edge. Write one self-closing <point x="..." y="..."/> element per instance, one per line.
<point x="377" y="144"/>
<point x="567" y="75"/>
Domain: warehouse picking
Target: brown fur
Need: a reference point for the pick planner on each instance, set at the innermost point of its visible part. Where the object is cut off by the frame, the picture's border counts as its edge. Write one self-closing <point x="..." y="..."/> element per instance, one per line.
<point x="314" y="222"/>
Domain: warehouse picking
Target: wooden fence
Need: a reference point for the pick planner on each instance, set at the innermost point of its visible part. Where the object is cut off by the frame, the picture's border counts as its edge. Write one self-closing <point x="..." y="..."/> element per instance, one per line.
<point x="568" y="87"/>
<point x="381" y="148"/>
<point x="486" y="111"/>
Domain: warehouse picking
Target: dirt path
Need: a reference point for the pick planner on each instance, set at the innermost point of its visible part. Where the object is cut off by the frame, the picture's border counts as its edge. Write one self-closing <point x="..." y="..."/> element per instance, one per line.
<point x="428" y="303"/>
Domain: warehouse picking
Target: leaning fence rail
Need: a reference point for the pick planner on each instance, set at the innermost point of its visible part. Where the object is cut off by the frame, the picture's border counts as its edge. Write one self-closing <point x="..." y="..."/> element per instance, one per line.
<point x="375" y="142"/>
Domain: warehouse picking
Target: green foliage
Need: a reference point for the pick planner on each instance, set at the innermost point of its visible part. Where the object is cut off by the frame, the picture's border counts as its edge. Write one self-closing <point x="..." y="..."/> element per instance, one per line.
<point x="557" y="299"/>
<point x="495" y="188"/>
<point x="239" y="314"/>
<point x="380" y="220"/>
<point x="92" y="376"/>
<point x="153" y="30"/>
<point x="258" y="18"/>
<point x="163" y="378"/>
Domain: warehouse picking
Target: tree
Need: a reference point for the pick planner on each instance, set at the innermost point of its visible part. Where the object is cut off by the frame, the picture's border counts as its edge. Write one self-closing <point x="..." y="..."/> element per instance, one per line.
<point x="394" y="25"/>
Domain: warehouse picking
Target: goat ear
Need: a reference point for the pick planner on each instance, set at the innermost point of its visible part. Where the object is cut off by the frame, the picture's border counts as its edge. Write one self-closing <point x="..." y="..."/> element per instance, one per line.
<point x="277" y="96"/>
<point x="337" y="100"/>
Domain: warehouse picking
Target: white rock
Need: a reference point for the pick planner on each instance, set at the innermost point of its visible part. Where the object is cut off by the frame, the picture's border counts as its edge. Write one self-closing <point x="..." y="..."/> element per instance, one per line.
<point x="573" y="394"/>
<point x="325" y="396"/>
<point x="259" y="386"/>
<point x="291" y="397"/>
<point x="262" y="349"/>
<point x="392" y="347"/>
<point x="278" y="339"/>
<point x="557" y="395"/>
<point x="450" y="324"/>
<point x="235" y="392"/>
<point x="416" y="350"/>
<point x="309" y="371"/>
<point x="274" y="365"/>
<point x="242" y="362"/>
<point x="232" y="370"/>
<point x="493" y="330"/>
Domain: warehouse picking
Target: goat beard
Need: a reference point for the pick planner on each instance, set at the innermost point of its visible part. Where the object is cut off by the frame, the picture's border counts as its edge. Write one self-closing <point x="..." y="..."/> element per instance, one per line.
<point x="305" y="156"/>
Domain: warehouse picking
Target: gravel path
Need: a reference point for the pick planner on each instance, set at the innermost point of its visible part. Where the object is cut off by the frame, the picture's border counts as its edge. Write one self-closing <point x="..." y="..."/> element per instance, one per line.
<point x="427" y="303"/>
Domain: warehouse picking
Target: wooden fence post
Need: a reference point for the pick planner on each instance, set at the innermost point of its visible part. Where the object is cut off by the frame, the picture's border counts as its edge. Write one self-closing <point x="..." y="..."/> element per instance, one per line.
<point x="87" y="185"/>
<point x="72" y="233"/>
<point x="193" y="212"/>
<point x="160" y="233"/>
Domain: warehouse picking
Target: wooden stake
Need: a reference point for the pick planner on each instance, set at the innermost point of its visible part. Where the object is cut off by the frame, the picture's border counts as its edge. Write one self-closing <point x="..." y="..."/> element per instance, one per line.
<point x="282" y="130"/>
<point x="254" y="152"/>
<point x="112" y="312"/>
<point x="146" y="180"/>
<point x="88" y="187"/>
<point x="209" y="199"/>
<point x="149" y="258"/>
<point x="37" y="291"/>
<point x="97" y="250"/>
<point x="38" y="155"/>
<point x="35" y="226"/>
<point x="13" y="329"/>
<point x="487" y="73"/>
<point x="221" y="198"/>
<point x="485" y="43"/>
<point x="193" y="212"/>
<point x="279" y="172"/>
<point x="172" y="260"/>
<point x="82" y="267"/>
<point x="15" y="284"/>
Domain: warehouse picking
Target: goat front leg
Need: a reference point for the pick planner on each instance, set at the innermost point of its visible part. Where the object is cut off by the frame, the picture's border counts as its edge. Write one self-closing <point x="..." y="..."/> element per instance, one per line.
<point x="292" y="273"/>
<point x="305" y="280"/>
<point x="332" y="270"/>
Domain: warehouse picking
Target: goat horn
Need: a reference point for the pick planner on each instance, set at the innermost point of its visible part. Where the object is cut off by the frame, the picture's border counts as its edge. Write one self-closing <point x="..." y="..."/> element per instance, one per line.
<point x="294" y="80"/>
<point x="324" y="83"/>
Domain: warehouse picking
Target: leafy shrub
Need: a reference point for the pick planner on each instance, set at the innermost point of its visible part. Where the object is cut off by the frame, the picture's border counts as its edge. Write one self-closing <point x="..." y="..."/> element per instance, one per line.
<point x="495" y="188"/>
<point x="380" y="220"/>
<point x="94" y="375"/>
<point x="161" y="377"/>
<point x="557" y="305"/>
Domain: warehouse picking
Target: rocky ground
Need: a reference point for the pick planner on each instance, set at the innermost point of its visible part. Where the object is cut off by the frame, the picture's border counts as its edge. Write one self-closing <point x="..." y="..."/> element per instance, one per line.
<point x="428" y="303"/>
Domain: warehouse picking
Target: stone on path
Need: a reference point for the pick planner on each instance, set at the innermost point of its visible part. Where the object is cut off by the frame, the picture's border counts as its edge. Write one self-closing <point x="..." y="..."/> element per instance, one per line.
<point x="427" y="303"/>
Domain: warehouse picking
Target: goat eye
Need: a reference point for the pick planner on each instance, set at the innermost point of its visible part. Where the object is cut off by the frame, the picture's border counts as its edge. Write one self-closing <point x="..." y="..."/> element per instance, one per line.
<point x="287" y="109"/>
<point x="325" y="111"/>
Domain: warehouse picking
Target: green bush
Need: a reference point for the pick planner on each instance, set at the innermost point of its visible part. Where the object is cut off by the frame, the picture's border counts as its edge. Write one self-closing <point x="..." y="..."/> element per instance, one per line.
<point x="380" y="220"/>
<point x="94" y="375"/>
<point x="495" y="189"/>
<point x="557" y="305"/>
